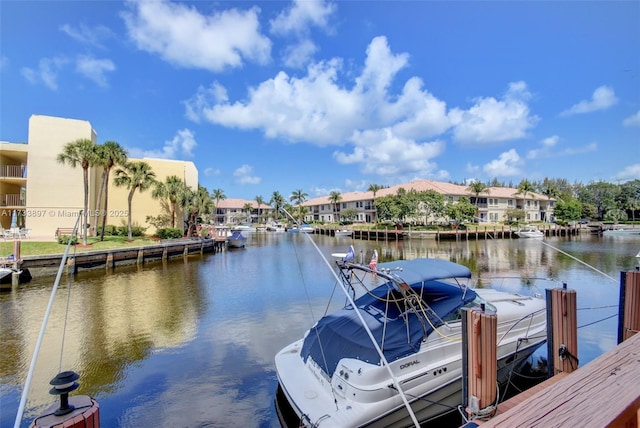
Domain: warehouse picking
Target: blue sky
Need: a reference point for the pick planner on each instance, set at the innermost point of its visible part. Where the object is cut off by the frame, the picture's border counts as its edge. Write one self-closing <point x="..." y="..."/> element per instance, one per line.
<point x="334" y="96"/>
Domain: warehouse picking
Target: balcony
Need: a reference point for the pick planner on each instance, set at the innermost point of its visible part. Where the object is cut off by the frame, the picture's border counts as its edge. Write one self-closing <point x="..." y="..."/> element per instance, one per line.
<point x="11" y="200"/>
<point x="13" y="171"/>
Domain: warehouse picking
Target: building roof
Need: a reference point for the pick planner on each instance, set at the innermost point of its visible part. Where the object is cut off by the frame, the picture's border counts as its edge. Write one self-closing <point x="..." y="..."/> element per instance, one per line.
<point x="424" y="185"/>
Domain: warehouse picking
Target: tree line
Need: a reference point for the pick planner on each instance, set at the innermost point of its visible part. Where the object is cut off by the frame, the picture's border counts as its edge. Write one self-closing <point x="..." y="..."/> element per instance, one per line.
<point x="595" y="201"/>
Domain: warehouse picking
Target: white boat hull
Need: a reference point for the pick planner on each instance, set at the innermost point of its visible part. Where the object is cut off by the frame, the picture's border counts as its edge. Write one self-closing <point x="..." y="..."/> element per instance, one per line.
<point x="362" y="395"/>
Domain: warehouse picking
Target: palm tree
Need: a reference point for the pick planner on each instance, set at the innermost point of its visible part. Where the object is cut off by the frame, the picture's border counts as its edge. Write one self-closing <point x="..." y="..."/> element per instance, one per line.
<point x="134" y="175"/>
<point x="476" y="188"/>
<point x="196" y="204"/>
<point x="108" y="154"/>
<point x="218" y="195"/>
<point x="550" y="191"/>
<point x="374" y="188"/>
<point x="299" y="196"/>
<point x="277" y="202"/>
<point x="81" y="152"/>
<point x="260" y="201"/>
<point x="172" y="190"/>
<point x="525" y="188"/>
<point x="247" y="208"/>
<point x="334" y="198"/>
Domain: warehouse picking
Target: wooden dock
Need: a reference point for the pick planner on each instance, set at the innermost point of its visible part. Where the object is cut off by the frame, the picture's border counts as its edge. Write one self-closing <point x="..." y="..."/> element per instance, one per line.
<point x="603" y="393"/>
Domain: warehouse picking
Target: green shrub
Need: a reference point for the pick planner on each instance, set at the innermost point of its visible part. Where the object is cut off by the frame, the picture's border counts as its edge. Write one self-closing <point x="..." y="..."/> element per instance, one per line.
<point x="169" y="233"/>
<point x="64" y="239"/>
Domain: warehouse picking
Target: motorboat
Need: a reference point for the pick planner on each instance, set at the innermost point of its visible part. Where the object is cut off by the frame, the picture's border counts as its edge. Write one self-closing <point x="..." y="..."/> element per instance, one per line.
<point x="343" y="232"/>
<point x="247" y="228"/>
<point x="304" y="228"/>
<point x="276" y="227"/>
<point x="529" y="231"/>
<point x="236" y="240"/>
<point x="336" y="376"/>
<point x="619" y="230"/>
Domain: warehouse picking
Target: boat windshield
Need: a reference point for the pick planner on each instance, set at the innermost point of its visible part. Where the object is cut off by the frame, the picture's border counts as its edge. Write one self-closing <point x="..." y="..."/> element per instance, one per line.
<point x="398" y="319"/>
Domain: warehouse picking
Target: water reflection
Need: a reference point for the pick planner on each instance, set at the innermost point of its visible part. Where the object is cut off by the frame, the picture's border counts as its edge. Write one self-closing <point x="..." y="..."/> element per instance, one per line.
<point x="191" y="342"/>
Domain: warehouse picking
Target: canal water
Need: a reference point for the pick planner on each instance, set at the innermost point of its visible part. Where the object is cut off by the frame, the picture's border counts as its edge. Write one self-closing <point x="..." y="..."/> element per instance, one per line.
<point x="191" y="343"/>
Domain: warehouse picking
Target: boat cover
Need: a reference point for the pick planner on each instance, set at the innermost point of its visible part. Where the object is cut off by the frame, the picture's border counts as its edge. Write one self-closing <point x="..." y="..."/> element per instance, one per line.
<point x="342" y="335"/>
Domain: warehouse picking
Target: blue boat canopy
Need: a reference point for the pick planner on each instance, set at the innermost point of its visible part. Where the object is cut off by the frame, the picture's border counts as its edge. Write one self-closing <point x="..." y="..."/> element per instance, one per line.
<point x="342" y="335"/>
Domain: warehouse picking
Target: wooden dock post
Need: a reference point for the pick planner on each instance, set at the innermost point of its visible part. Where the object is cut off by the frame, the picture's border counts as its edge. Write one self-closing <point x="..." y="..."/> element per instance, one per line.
<point x="629" y="307"/>
<point x="562" y="330"/>
<point x="479" y="363"/>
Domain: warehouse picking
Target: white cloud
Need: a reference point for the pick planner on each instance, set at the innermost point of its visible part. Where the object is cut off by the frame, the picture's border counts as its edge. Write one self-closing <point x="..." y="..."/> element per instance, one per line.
<point x="244" y="175"/>
<point x="631" y="172"/>
<point x="601" y="99"/>
<point x="545" y="150"/>
<point x="46" y="73"/>
<point x="507" y="164"/>
<point x="633" y="120"/>
<point x="183" y="36"/>
<point x="387" y="133"/>
<point x="211" y="171"/>
<point x="384" y="153"/>
<point x="94" y="69"/>
<point x="93" y="36"/>
<point x="299" y="54"/>
<point x="180" y="147"/>
<point x="491" y="120"/>
<point x="302" y="15"/>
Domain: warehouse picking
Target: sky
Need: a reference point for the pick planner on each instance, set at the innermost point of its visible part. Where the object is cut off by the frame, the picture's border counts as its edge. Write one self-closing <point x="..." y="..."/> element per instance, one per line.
<point x="324" y="96"/>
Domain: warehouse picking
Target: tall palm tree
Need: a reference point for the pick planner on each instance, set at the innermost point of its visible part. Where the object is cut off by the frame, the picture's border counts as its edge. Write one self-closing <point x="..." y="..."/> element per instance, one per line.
<point x="196" y="204"/>
<point x="277" y="202"/>
<point x="260" y="201"/>
<point x="550" y="191"/>
<point x="374" y="188"/>
<point x="299" y="196"/>
<point x="217" y="195"/>
<point x="247" y="208"/>
<point x="80" y="152"/>
<point x="334" y="198"/>
<point x="525" y="188"/>
<point x="478" y="187"/>
<point x="108" y="154"/>
<point x="172" y="190"/>
<point x="134" y="175"/>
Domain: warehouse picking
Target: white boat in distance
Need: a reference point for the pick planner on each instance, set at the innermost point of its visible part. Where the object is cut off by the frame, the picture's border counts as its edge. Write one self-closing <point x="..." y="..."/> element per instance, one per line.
<point x="276" y="227"/>
<point x="343" y="232"/>
<point x="236" y="240"/>
<point x="304" y="228"/>
<point x="247" y="228"/>
<point x="335" y="377"/>
<point x="529" y="231"/>
<point x="619" y="230"/>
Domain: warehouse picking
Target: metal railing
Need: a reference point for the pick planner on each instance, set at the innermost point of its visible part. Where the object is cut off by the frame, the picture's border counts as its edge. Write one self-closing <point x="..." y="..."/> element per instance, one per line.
<point x="13" y="171"/>
<point x="12" y="200"/>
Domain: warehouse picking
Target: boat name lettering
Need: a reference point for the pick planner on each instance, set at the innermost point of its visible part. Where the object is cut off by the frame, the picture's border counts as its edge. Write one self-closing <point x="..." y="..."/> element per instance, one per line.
<point x="409" y="364"/>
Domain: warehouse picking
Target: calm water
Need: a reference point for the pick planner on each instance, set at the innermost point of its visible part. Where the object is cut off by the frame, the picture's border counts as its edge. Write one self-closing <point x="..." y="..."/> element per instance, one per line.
<point x="191" y="343"/>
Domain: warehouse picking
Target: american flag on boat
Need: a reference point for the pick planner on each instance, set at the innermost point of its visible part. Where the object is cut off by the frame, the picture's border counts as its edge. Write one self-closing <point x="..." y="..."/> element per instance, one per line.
<point x="373" y="264"/>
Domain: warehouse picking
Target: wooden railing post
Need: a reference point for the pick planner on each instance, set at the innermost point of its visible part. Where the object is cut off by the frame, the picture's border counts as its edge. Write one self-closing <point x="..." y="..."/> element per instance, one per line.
<point x="629" y="307"/>
<point x="562" y="330"/>
<point x="479" y="362"/>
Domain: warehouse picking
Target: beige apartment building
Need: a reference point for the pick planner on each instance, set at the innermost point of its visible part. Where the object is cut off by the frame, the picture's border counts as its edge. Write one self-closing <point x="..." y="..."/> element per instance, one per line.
<point x="41" y="195"/>
<point x="492" y="205"/>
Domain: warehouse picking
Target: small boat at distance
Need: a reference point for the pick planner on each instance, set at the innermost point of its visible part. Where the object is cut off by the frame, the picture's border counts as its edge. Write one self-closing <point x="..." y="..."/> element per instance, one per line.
<point x="236" y="240"/>
<point x="335" y="376"/>
<point x="619" y="230"/>
<point x="343" y="232"/>
<point x="529" y="231"/>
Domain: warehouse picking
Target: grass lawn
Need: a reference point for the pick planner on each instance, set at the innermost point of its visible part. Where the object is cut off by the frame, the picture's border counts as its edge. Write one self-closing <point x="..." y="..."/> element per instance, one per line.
<point x="35" y="248"/>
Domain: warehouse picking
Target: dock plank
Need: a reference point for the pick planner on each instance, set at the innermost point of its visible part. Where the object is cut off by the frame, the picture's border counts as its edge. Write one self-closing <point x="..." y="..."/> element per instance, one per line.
<point x="603" y="393"/>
